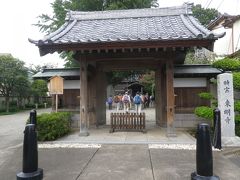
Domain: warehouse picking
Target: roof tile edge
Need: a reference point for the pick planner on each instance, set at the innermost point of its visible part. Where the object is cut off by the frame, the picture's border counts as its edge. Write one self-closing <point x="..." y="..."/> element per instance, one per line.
<point x="186" y="8"/>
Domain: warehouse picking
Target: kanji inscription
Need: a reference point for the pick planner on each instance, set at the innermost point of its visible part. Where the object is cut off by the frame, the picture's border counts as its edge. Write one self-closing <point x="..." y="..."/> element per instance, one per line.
<point x="226" y="104"/>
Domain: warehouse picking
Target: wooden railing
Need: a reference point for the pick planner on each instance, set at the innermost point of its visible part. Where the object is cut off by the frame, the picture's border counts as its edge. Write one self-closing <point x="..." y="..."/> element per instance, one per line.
<point x="127" y="121"/>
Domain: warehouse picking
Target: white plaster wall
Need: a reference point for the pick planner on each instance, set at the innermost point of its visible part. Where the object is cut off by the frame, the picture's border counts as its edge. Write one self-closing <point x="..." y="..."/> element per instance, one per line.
<point x="236" y="32"/>
<point x="189" y="82"/>
<point x="71" y="84"/>
<point x="178" y="82"/>
<point x="223" y="45"/>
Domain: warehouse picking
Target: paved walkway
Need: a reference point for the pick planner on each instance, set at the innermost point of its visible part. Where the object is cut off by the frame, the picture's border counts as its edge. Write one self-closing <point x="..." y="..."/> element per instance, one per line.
<point x="11" y="132"/>
<point x="118" y="156"/>
<point x="119" y="162"/>
<point x="154" y="135"/>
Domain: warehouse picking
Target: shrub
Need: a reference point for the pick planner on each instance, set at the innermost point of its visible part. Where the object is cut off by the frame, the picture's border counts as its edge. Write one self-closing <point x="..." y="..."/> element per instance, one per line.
<point x="237" y="125"/>
<point x="30" y="106"/>
<point x="204" y="112"/>
<point x="236" y="80"/>
<point x="227" y="64"/>
<point x="237" y="106"/>
<point x="52" y="126"/>
<point x="206" y="95"/>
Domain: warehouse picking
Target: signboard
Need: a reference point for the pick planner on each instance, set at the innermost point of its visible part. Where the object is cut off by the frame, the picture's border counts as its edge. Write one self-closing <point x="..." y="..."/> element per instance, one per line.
<point x="226" y="104"/>
<point x="56" y="85"/>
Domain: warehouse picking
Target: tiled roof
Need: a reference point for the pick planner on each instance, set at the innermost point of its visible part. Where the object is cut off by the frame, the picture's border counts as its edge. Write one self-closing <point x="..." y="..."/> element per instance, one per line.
<point x="153" y="24"/>
<point x="225" y="20"/>
<point x="196" y="70"/>
<point x="179" y="70"/>
<point x="63" y="72"/>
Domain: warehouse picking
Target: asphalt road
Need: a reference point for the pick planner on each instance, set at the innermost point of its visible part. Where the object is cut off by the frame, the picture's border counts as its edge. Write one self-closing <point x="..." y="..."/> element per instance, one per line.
<point x="11" y="132"/>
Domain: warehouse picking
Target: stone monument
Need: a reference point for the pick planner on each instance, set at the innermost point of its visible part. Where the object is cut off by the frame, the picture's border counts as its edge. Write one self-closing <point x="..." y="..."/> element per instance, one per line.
<point x="226" y="106"/>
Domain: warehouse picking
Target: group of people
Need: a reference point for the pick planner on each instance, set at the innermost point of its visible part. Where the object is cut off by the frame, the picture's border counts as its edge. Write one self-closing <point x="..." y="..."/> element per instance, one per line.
<point x="125" y="101"/>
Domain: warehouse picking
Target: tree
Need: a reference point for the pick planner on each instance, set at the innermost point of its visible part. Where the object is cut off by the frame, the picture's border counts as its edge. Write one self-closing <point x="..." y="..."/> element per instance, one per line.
<point x="22" y="90"/>
<point x="39" y="90"/>
<point x="205" y="16"/>
<point x="49" y="24"/>
<point x="148" y="81"/>
<point x="13" y="73"/>
<point x="37" y="68"/>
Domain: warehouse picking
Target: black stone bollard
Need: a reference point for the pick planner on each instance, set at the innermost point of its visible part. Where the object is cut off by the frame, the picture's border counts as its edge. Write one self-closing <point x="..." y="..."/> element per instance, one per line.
<point x="33" y="117"/>
<point x="30" y="168"/>
<point x="204" y="155"/>
<point x="217" y="143"/>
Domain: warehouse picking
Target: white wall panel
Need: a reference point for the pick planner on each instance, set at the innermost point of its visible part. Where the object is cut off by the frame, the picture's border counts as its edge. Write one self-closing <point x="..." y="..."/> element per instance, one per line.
<point x="190" y="82"/>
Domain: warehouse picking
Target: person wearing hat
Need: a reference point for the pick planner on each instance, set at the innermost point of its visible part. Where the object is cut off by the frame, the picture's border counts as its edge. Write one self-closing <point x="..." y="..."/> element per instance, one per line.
<point x="126" y="101"/>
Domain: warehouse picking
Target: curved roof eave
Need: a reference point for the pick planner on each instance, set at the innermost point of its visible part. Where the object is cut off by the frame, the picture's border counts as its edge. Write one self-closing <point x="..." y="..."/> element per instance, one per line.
<point x="72" y="33"/>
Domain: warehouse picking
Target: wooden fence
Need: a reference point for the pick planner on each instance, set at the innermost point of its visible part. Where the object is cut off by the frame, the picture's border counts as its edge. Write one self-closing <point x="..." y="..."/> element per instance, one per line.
<point x="127" y="121"/>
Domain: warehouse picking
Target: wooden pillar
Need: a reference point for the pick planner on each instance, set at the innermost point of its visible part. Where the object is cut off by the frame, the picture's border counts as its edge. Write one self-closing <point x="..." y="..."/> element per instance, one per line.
<point x="101" y="96"/>
<point x="163" y="123"/>
<point x="158" y="96"/>
<point x="92" y="99"/>
<point x="170" y="98"/>
<point x="83" y="97"/>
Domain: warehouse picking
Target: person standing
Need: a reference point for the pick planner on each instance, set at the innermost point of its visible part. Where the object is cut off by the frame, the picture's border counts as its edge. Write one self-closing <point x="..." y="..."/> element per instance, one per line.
<point x="143" y="100"/>
<point x="117" y="101"/>
<point x="152" y="100"/>
<point x="110" y="101"/>
<point x="137" y="103"/>
<point x="126" y="101"/>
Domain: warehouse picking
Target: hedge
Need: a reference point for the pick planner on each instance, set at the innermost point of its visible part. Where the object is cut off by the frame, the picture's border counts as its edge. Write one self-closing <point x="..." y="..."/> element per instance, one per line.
<point x="52" y="126"/>
<point x="237" y="105"/>
<point x="205" y="95"/>
<point x="227" y="64"/>
<point x="204" y="112"/>
<point x="237" y="125"/>
<point x="236" y="80"/>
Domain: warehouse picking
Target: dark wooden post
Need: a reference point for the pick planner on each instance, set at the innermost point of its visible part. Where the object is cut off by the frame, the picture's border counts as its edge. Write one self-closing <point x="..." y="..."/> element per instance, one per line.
<point x="170" y="98"/>
<point x="163" y="121"/>
<point x="83" y="97"/>
<point x="158" y="96"/>
<point x="92" y="98"/>
<point x="100" y="98"/>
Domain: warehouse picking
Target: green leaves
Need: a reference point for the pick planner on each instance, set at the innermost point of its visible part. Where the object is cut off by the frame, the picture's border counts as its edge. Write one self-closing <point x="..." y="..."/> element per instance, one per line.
<point x="13" y="77"/>
<point x="204" y="112"/>
<point x="39" y="88"/>
<point x="52" y="126"/>
<point x="206" y="95"/>
<point x="204" y="15"/>
<point x="236" y="80"/>
<point x="227" y="64"/>
<point x="49" y="24"/>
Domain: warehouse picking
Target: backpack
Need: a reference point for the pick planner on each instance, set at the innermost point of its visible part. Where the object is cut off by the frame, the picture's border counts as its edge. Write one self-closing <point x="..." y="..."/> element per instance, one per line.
<point x="110" y="100"/>
<point x="125" y="99"/>
<point x="116" y="99"/>
<point x="137" y="99"/>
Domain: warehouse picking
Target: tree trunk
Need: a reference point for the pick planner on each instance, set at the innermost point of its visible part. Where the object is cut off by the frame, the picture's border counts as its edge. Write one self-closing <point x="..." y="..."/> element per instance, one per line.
<point x="7" y="103"/>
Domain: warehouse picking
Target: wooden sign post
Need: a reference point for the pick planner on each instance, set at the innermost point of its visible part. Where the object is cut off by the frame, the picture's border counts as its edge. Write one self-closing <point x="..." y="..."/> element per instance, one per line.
<point x="56" y="88"/>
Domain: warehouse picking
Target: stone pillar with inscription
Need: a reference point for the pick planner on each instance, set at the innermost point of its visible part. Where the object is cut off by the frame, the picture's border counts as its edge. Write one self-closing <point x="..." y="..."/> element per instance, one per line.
<point x="226" y="106"/>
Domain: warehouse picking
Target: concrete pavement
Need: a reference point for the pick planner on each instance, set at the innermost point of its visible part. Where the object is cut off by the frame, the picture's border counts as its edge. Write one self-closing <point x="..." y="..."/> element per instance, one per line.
<point x="118" y="162"/>
<point x="134" y="159"/>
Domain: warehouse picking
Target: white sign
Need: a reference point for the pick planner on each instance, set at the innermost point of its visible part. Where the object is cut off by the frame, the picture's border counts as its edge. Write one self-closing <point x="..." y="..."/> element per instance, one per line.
<point x="226" y="104"/>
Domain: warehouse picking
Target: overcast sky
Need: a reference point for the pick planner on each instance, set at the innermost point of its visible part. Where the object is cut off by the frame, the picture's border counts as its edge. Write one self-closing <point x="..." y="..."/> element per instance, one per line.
<point x="17" y="17"/>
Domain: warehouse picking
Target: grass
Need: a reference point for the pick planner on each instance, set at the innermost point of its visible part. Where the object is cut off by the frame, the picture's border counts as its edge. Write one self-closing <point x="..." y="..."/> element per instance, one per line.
<point x="7" y="113"/>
